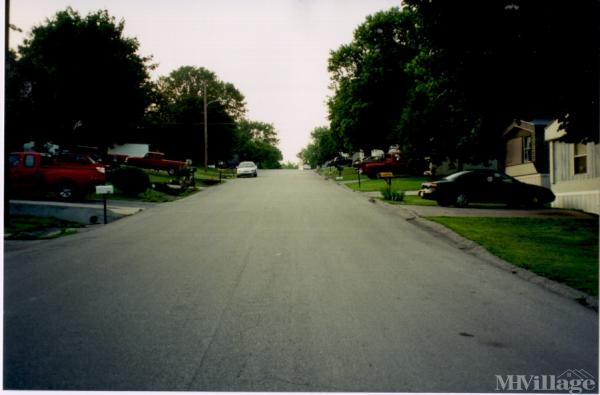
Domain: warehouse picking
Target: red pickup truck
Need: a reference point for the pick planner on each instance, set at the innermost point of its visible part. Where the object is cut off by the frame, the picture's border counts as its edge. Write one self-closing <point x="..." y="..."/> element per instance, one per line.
<point x="68" y="175"/>
<point x="156" y="161"/>
<point x="393" y="163"/>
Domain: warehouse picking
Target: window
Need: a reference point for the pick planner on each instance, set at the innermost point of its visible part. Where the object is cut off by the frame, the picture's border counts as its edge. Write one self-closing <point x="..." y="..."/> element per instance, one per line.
<point x="15" y="160"/>
<point x="29" y="160"/>
<point x="527" y="149"/>
<point x="580" y="158"/>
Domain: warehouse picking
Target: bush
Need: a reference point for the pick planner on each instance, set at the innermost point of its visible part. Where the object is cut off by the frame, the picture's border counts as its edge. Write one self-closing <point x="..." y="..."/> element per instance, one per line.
<point x="395" y="196"/>
<point x="131" y="181"/>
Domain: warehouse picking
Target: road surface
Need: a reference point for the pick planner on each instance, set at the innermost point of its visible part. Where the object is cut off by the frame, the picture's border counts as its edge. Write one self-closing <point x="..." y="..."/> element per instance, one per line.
<point x="286" y="282"/>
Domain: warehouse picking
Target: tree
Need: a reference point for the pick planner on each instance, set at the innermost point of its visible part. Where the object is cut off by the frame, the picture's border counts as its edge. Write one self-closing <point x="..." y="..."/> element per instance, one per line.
<point x="369" y="81"/>
<point x="259" y="131"/>
<point x="257" y="141"/>
<point x="80" y="80"/>
<point x="177" y="113"/>
<point x="186" y="84"/>
<point x="524" y="59"/>
<point x="323" y="146"/>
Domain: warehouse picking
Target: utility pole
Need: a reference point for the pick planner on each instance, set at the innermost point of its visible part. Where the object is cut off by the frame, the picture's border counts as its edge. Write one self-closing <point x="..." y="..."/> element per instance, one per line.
<point x="7" y="188"/>
<point x="205" y="128"/>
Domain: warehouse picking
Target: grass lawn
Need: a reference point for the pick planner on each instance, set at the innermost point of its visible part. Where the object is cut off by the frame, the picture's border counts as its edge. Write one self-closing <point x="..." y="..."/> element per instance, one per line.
<point x="348" y="173"/>
<point x="203" y="179"/>
<point x="28" y="227"/>
<point x="398" y="184"/>
<point x="561" y="249"/>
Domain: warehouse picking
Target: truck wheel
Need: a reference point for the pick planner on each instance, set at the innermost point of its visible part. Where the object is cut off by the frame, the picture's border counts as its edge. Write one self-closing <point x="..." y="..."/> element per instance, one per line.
<point x="66" y="190"/>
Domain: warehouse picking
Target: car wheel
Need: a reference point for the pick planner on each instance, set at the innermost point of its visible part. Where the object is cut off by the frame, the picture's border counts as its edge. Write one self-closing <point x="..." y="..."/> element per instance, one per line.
<point x="66" y="190"/>
<point x="534" y="202"/>
<point x="462" y="200"/>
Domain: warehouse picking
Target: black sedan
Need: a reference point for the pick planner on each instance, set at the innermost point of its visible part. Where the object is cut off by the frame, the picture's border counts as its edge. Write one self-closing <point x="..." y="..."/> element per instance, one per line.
<point x="484" y="186"/>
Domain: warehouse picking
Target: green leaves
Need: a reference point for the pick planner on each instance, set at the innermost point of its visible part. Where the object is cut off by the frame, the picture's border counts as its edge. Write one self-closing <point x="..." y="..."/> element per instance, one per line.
<point x="79" y="71"/>
<point x="369" y="81"/>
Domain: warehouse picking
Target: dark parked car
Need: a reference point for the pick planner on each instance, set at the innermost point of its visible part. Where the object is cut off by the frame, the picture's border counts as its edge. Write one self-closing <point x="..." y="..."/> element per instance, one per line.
<point x="484" y="186"/>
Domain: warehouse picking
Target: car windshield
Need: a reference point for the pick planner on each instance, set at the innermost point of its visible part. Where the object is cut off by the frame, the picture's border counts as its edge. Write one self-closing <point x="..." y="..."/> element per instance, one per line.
<point x="455" y="176"/>
<point x="247" y="164"/>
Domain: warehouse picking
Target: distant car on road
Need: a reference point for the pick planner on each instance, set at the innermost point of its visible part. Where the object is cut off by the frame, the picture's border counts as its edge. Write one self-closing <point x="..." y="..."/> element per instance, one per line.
<point x="247" y="169"/>
<point x="484" y="186"/>
<point x="306" y="167"/>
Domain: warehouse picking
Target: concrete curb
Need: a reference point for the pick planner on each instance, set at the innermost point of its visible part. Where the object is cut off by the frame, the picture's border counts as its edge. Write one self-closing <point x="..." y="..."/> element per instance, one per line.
<point x="81" y="213"/>
<point x="472" y="248"/>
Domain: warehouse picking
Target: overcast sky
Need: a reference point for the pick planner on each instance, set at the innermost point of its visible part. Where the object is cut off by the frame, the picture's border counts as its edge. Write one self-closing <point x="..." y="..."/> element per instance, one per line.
<point x="274" y="51"/>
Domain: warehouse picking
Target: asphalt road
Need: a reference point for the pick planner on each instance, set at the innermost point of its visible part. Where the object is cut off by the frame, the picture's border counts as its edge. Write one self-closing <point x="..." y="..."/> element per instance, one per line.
<point x="286" y="282"/>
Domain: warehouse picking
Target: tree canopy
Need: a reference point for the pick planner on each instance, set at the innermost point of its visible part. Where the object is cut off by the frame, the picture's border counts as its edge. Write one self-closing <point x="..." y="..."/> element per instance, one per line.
<point x="76" y="79"/>
<point x="257" y="141"/>
<point x="178" y="111"/>
<point x="322" y="147"/>
<point x="444" y="79"/>
<point x="369" y="82"/>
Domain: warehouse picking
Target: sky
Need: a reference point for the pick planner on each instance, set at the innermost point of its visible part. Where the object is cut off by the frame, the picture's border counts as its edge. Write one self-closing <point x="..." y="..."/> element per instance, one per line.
<point x="274" y="51"/>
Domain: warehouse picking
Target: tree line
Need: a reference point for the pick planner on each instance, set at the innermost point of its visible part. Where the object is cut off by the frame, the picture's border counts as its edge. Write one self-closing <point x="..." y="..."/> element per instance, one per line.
<point x="78" y="81"/>
<point x="443" y="79"/>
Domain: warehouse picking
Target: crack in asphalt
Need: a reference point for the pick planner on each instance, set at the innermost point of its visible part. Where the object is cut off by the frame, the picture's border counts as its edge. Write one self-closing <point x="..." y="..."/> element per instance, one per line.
<point x="220" y="319"/>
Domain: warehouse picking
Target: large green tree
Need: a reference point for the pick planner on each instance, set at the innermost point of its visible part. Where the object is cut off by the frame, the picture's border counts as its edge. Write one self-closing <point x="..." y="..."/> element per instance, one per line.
<point x="182" y="88"/>
<point x="369" y="81"/>
<point x="257" y="141"/>
<point x="76" y="80"/>
<point x="495" y="61"/>
<point x="177" y="114"/>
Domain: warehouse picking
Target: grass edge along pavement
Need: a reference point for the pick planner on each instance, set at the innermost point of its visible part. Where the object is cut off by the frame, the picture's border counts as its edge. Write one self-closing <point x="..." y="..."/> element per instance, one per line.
<point x="203" y="178"/>
<point x="29" y="227"/>
<point x="564" y="250"/>
<point x="575" y="275"/>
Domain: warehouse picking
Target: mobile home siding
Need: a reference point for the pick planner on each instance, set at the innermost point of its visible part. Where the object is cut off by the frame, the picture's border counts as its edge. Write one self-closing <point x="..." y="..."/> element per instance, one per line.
<point x="578" y="191"/>
<point x="563" y="162"/>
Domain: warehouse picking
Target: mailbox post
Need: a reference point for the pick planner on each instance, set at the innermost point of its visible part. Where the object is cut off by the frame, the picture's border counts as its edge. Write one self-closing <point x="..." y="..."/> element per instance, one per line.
<point x="387" y="177"/>
<point x="105" y="190"/>
<point x="339" y="169"/>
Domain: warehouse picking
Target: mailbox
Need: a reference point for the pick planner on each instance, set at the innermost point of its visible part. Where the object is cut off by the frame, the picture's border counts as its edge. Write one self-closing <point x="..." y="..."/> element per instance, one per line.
<point x="105" y="189"/>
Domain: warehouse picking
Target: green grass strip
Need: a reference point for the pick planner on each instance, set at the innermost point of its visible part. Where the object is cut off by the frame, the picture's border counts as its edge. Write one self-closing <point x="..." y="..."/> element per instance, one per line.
<point x="561" y="249"/>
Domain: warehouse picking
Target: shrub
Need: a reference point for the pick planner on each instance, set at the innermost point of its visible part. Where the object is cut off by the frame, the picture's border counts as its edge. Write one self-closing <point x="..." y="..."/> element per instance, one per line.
<point x="131" y="181"/>
<point x="395" y="196"/>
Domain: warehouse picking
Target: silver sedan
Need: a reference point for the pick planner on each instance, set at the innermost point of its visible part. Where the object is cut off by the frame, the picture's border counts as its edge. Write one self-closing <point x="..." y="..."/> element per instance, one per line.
<point x="247" y="169"/>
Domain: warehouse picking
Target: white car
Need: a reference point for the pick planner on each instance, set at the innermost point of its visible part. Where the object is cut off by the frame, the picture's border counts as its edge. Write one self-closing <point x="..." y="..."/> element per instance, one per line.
<point x="247" y="169"/>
